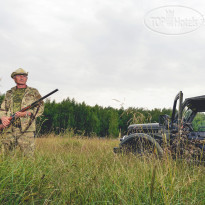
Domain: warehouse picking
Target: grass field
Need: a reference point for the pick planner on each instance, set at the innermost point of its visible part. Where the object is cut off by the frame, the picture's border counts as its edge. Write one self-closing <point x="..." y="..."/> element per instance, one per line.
<point x="86" y="171"/>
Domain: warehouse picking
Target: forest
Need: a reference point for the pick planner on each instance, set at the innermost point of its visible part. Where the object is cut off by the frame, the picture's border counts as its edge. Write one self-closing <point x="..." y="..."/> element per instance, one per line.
<point x="80" y="118"/>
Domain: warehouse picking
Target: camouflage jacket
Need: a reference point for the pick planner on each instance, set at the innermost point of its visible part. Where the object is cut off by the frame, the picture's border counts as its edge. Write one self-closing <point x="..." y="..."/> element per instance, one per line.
<point x="27" y="123"/>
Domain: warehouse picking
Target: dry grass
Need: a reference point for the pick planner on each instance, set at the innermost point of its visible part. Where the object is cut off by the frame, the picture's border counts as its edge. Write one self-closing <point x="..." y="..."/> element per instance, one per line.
<point x="86" y="171"/>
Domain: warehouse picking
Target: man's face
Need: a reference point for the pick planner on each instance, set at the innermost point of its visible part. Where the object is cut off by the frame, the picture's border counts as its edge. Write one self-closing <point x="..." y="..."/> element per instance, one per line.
<point x="20" y="79"/>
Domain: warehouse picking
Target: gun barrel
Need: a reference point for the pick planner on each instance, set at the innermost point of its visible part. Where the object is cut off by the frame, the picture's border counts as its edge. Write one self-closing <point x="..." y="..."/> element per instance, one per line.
<point x="48" y="94"/>
<point x="29" y="107"/>
<point x="33" y="104"/>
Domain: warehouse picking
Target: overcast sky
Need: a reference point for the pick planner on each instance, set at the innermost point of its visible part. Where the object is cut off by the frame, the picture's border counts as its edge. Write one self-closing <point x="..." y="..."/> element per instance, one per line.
<point x="101" y="52"/>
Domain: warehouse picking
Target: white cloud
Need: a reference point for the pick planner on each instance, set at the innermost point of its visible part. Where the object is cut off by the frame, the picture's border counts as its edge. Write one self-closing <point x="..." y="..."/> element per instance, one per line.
<point x="96" y="51"/>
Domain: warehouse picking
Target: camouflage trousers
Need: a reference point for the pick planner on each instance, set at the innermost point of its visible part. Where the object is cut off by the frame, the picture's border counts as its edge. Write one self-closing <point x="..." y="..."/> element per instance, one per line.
<point x="16" y="140"/>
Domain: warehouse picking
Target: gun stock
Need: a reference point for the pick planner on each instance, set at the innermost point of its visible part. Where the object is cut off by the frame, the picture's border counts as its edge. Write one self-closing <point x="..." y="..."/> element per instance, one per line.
<point x="2" y="127"/>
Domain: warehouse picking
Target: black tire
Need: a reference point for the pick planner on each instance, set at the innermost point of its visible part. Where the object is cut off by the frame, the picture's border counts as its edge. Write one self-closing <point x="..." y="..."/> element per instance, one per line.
<point x="141" y="144"/>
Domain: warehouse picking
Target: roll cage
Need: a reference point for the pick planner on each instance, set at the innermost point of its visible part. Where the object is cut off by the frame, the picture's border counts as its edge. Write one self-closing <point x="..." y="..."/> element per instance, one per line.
<point x="194" y="104"/>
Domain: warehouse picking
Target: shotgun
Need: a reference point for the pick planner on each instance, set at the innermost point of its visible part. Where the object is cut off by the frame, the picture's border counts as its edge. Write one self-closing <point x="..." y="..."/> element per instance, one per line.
<point x="34" y="104"/>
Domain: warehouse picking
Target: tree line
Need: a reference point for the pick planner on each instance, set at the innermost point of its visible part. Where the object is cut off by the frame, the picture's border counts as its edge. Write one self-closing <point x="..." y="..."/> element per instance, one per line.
<point x="93" y="120"/>
<point x="69" y="115"/>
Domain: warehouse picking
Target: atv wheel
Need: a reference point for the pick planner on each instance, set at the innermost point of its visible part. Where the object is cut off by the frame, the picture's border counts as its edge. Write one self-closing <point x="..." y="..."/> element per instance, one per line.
<point x="141" y="144"/>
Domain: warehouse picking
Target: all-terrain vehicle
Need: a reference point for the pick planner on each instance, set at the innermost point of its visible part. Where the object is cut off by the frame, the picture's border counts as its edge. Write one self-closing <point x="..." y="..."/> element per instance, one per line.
<point x="174" y="133"/>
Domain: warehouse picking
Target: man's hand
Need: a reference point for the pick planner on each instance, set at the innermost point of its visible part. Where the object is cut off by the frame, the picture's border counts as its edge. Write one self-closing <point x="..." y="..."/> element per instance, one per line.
<point x="5" y="121"/>
<point x="22" y="114"/>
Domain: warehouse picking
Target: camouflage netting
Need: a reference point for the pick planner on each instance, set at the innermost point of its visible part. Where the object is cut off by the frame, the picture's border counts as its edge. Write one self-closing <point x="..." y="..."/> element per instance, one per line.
<point x="187" y="149"/>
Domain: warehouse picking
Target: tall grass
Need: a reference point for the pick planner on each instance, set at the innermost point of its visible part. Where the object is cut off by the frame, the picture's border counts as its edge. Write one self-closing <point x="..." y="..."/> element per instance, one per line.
<point x="86" y="171"/>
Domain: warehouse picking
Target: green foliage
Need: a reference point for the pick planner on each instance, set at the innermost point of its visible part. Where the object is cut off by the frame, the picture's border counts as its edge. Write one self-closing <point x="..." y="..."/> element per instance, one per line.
<point x="1" y="98"/>
<point x="113" y="129"/>
<point x="93" y="121"/>
<point x="199" y="122"/>
<point x="85" y="171"/>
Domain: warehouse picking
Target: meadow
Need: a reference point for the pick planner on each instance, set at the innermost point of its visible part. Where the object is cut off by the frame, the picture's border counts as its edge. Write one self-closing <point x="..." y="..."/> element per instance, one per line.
<point x="75" y="170"/>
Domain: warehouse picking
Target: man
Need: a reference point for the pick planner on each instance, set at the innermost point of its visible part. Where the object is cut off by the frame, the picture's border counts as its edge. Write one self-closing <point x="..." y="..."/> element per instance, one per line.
<point x="21" y="132"/>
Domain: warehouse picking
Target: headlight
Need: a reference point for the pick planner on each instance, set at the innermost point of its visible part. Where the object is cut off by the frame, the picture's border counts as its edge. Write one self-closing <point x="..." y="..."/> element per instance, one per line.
<point x="125" y="136"/>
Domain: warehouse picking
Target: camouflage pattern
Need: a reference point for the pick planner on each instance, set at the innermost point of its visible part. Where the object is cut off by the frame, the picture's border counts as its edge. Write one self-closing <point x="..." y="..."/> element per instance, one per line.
<point x="19" y="71"/>
<point x="186" y="149"/>
<point x="21" y="133"/>
<point x="17" y="99"/>
<point x="28" y="124"/>
<point x="12" y="142"/>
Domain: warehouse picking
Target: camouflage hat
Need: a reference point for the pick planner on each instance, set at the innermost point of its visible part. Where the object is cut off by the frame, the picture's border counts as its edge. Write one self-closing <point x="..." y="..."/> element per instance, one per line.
<point x="19" y="71"/>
